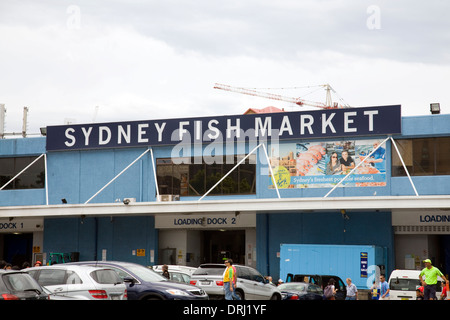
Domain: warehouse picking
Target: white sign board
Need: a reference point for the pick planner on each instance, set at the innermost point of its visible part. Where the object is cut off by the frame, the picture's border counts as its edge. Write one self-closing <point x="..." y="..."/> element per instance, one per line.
<point x="420" y="218"/>
<point x="206" y="221"/>
<point x="20" y="225"/>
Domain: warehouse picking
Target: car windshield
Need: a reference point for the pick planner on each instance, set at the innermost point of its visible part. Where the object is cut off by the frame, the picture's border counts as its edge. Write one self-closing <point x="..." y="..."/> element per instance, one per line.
<point x="144" y="273"/>
<point x="295" y="286"/>
<point x="404" y="284"/>
<point x="209" y="271"/>
<point x="20" y="282"/>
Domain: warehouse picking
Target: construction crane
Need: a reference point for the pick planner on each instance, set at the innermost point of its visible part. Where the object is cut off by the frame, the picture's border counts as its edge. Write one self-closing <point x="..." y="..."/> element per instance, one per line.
<point x="298" y="101"/>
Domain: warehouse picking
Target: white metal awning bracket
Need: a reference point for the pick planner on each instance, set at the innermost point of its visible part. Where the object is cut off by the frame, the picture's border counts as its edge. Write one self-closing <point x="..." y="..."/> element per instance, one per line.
<point x="353" y="170"/>
<point x="154" y="173"/>
<point x="271" y="171"/>
<point x="119" y="174"/>
<point x="242" y="160"/>
<point x="399" y="155"/>
<point x="23" y="170"/>
<point x="404" y="166"/>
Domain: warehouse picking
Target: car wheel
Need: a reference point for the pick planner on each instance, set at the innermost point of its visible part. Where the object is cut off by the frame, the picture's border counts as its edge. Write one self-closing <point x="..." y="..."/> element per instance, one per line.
<point x="240" y="294"/>
<point x="275" y="297"/>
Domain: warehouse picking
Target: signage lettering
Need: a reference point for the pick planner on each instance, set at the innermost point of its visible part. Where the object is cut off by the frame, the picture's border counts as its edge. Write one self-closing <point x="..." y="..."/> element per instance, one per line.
<point x="284" y="125"/>
<point x="364" y="262"/>
<point x="11" y="225"/>
<point x="25" y="225"/>
<point x="221" y="221"/>
<point x="202" y="221"/>
<point x="435" y="218"/>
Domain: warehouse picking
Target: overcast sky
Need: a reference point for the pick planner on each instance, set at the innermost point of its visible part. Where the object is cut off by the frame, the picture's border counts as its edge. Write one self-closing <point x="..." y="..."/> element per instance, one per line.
<point x="141" y="60"/>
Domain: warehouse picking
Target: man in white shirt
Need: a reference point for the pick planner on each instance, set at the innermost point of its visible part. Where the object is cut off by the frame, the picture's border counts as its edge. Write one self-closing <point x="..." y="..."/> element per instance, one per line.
<point x="352" y="291"/>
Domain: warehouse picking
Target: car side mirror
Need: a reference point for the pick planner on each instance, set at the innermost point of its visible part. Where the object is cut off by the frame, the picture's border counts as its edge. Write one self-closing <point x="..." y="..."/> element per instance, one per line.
<point x="130" y="280"/>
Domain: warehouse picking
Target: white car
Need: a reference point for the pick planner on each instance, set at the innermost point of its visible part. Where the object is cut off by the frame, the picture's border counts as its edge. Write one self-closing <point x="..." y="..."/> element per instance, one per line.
<point x="177" y="273"/>
<point x="80" y="282"/>
<point x="251" y="285"/>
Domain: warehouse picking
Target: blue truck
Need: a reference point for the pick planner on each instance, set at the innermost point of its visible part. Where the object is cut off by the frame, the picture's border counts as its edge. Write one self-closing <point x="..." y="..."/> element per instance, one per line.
<point x="357" y="262"/>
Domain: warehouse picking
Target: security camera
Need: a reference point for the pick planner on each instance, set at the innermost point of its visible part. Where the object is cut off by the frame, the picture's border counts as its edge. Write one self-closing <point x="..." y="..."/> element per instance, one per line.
<point x="126" y="201"/>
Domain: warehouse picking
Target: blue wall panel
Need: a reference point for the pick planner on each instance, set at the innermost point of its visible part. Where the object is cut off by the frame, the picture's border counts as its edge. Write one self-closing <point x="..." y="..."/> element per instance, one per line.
<point x="119" y="236"/>
<point x="362" y="228"/>
<point x="77" y="176"/>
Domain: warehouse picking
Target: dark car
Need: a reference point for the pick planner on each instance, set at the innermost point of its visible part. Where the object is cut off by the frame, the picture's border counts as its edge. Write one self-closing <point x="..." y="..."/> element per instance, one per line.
<point x="19" y="285"/>
<point x="145" y="284"/>
<point x="300" y="291"/>
<point x="321" y="281"/>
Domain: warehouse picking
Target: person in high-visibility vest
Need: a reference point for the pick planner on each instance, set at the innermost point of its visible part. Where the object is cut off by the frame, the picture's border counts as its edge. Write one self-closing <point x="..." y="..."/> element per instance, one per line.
<point x="431" y="273"/>
<point x="228" y="277"/>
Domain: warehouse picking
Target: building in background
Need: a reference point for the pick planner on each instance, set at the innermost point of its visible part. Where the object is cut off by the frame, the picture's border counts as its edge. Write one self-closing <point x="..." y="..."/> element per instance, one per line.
<point x="188" y="191"/>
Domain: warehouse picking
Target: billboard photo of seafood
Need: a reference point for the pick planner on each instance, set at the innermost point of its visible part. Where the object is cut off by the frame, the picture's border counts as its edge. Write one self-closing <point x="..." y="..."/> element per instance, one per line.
<point x="324" y="164"/>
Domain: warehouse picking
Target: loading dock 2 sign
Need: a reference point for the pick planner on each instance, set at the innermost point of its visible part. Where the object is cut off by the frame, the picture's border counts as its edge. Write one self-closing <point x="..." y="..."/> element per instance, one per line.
<point x="206" y="221"/>
<point x="364" y="261"/>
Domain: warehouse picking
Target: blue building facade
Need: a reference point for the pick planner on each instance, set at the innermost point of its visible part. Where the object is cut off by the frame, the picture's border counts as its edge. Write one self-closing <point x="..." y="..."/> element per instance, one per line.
<point x="100" y="190"/>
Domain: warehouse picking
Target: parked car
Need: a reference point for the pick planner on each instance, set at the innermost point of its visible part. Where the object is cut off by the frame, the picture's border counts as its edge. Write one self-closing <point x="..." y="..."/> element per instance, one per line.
<point x="321" y="281"/>
<point x="177" y="273"/>
<point x="251" y="285"/>
<point x="404" y="283"/>
<point x="145" y="284"/>
<point x="80" y="282"/>
<point x="19" y="285"/>
<point x="300" y="291"/>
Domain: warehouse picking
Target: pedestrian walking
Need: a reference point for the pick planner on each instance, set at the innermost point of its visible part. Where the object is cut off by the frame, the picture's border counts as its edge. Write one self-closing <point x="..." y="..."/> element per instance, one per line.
<point x="352" y="291"/>
<point x="228" y="283"/>
<point x="429" y="283"/>
<point x="384" y="289"/>
<point x="330" y="291"/>
<point x="444" y="291"/>
<point x="375" y="290"/>
<point x="233" y="293"/>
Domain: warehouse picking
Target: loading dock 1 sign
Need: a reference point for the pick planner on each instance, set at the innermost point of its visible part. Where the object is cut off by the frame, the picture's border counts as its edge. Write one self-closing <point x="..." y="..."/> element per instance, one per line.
<point x="364" y="260"/>
<point x="19" y="225"/>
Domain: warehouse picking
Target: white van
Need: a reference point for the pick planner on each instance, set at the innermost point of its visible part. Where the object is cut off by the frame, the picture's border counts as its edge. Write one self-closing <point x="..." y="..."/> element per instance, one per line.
<point x="404" y="283"/>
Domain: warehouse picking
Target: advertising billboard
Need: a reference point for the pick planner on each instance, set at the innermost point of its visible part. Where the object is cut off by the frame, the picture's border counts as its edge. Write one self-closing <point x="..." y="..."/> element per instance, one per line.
<point x="323" y="164"/>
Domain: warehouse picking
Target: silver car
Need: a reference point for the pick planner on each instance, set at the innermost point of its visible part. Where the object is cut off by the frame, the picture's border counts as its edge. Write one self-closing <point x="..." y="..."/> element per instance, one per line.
<point x="251" y="285"/>
<point x="80" y="282"/>
<point x="177" y="273"/>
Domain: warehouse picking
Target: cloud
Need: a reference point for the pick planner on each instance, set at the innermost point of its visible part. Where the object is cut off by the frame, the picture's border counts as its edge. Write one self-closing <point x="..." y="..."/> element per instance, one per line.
<point x="160" y="59"/>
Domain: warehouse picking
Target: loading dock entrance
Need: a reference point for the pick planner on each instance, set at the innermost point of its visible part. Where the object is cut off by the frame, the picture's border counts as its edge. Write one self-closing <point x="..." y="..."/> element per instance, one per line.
<point x="209" y="238"/>
<point x="20" y="240"/>
<point x="221" y="245"/>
